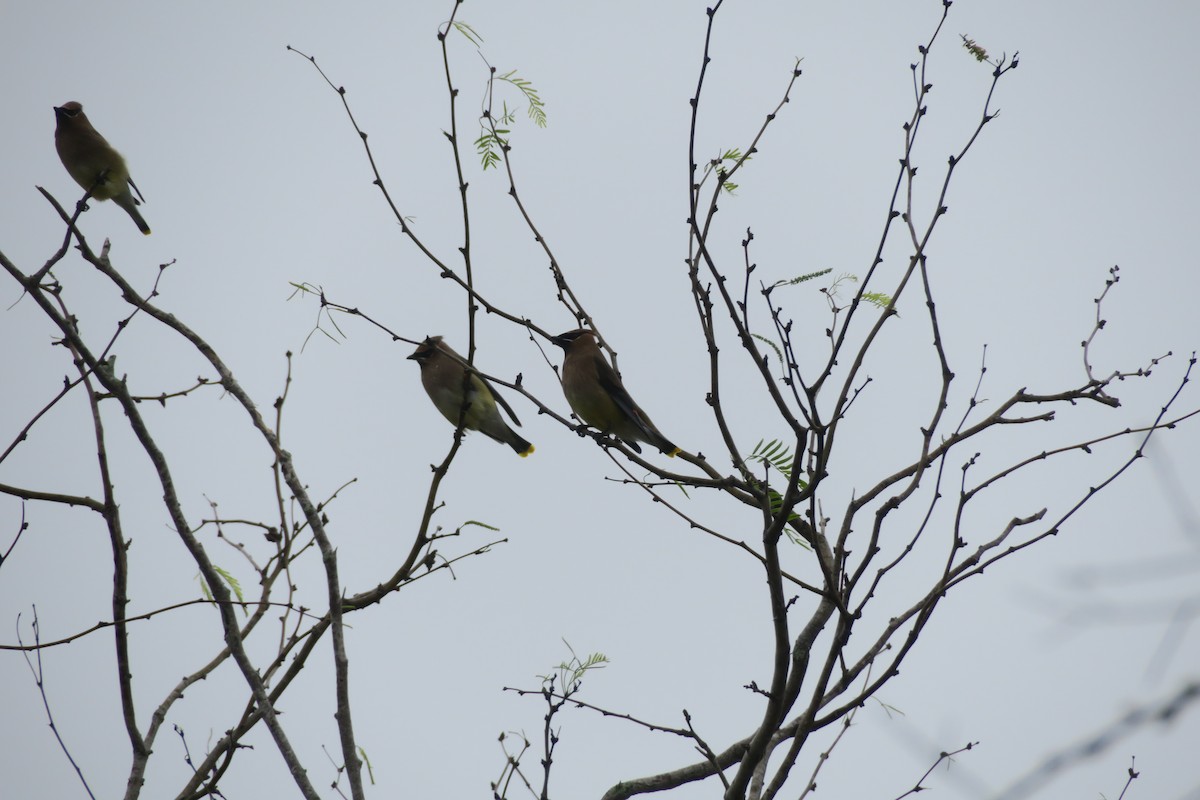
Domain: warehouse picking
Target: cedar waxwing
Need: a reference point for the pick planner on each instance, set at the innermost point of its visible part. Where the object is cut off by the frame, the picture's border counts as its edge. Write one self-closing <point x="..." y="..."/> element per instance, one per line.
<point x="444" y="374"/>
<point x="93" y="162"/>
<point x="598" y="397"/>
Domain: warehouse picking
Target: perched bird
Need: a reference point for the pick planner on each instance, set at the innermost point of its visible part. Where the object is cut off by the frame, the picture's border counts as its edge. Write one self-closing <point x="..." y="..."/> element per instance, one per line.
<point x="598" y="397"/>
<point x="445" y="375"/>
<point x="93" y="162"/>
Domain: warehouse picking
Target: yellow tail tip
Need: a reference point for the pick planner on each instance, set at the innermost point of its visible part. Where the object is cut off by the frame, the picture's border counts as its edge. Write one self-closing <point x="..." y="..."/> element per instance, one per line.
<point x="527" y="452"/>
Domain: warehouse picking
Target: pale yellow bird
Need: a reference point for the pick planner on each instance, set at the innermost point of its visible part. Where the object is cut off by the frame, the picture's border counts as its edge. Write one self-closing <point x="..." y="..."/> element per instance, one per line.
<point x="93" y="162"/>
<point x="596" y="394"/>
<point x="446" y="378"/>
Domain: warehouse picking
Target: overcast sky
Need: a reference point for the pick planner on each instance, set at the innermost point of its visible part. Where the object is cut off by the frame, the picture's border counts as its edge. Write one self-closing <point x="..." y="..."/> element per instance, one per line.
<point x="254" y="178"/>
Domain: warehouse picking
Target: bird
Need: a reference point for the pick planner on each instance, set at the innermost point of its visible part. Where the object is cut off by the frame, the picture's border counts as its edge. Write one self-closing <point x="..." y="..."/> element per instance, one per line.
<point x="597" y="396"/>
<point x="93" y="162"/>
<point x="445" y="375"/>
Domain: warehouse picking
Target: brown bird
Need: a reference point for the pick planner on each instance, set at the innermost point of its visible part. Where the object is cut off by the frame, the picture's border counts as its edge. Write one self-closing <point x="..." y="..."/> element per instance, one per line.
<point x="93" y="162"/>
<point x="597" y="396"/>
<point x="445" y="375"/>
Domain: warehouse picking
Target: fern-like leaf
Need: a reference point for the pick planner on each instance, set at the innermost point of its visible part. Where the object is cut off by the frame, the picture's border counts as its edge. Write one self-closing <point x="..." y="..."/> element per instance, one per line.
<point x="773" y="453"/>
<point x="231" y="581"/>
<point x="974" y="49"/>
<point x="370" y="770"/>
<point x="466" y="30"/>
<point x="878" y="299"/>
<point x="801" y="278"/>
<point x="233" y="584"/>
<point x="537" y="107"/>
<point x="776" y="454"/>
<point x="508" y="117"/>
<point x="488" y="147"/>
<point x="771" y="343"/>
<point x="571" y="671"/>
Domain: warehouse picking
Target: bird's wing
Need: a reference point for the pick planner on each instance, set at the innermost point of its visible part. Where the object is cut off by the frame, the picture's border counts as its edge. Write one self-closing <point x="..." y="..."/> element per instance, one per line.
<point x="478" y="375"/>
<point x="139" y="192"/>
<point x="500" y="401"/>
<point x="611" y="382"/>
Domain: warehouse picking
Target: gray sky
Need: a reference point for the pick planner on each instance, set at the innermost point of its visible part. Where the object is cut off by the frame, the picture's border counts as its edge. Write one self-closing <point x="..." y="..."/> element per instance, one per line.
<point x="254" y="178"/>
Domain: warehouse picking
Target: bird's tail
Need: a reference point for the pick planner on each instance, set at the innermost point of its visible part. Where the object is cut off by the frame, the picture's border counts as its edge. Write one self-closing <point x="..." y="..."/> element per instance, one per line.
<point x="127" y="201"/>
<point x="522" y="447"/>
<point x="663" y="444"/>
